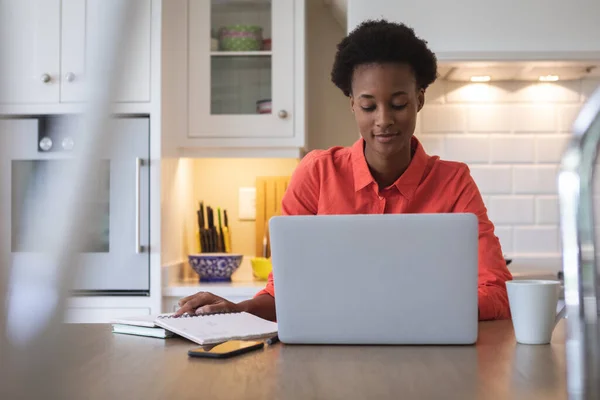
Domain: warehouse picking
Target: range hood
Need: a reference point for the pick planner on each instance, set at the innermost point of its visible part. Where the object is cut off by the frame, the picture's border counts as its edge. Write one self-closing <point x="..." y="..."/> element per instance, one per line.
<point x="484" y="40"/>
<point x="548" y="71"/>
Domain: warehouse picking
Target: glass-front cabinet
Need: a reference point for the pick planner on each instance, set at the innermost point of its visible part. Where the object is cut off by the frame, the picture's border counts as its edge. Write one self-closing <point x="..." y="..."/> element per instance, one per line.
<point x="241" y="68"/>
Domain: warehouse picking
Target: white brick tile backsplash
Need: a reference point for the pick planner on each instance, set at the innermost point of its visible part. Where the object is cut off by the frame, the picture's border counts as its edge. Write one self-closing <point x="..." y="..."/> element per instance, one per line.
<point x="442" y="119"/>
<point x="550" y="148"/>
<point x="489" y="118"/>
<point x="546" y="210"/>
<point x="512" y="148"/>
<point x="512" y="210"/>
<point x="588" y="86"/>
<point x="492" y="179"/>
<point x="535" y="239"/>
<point x="505" y="235"/>
<point x="512" y="135"/>
<point x="513" y="92"/>
<point x="418" y="129"/>
<point x="433" y="145"/>
<point x="467" y="92"/>
<point x="436" y="93"/>
<point x="468" y="148"/>
<point x="535" y="179"/>
<point x="486" y="201"/>
<point x="547" y="92"/>
<point x="566" y="117"/>
<point x="534" y="118"/>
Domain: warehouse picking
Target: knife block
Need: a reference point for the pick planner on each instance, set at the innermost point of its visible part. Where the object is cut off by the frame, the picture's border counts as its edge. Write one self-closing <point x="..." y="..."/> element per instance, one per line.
<point x="269" y="193"/>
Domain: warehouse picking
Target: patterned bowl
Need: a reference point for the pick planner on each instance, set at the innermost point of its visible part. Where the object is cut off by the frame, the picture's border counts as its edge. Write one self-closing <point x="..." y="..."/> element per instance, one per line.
<point x="215" y="267"/>
<point x="241" y="38"/>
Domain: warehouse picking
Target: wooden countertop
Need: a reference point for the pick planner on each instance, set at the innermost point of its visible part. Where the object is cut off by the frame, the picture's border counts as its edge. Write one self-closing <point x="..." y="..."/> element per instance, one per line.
<point x="120" y="366"/>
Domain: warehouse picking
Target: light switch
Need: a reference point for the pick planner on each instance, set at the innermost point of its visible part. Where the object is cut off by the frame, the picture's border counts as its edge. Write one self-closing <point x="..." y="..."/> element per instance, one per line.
<point x="247" y="204"/>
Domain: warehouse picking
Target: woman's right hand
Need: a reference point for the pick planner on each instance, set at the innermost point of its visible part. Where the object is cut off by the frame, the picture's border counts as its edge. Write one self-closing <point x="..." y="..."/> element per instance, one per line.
<point x="203" y="303"/>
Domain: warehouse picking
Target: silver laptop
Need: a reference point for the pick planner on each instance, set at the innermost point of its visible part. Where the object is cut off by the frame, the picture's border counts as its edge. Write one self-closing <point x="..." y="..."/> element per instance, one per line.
<point x="376" y="279"/>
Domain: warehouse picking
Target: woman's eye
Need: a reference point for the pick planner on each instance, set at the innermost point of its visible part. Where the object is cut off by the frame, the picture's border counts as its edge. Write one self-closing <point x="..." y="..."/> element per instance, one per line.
<point x="399" y="107"/>
<point x="368" y="109"/>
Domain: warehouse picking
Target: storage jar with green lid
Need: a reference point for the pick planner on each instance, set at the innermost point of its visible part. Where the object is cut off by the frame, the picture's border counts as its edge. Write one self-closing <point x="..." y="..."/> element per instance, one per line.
<point x="241" y="38"/>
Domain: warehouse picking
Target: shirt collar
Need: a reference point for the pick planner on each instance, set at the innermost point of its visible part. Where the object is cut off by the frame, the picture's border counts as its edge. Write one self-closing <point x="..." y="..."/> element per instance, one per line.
<point x="407" y="182"/>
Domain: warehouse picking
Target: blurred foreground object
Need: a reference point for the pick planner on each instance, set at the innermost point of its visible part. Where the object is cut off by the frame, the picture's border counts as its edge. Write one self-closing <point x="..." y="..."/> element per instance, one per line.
<point x="35" y="355"/>
<point x="579" y="253"/>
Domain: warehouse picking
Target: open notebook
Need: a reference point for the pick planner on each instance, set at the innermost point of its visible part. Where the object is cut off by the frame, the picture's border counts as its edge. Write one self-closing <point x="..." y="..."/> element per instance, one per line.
<point x="218" y="328"/>
<point x="201" y="329"/>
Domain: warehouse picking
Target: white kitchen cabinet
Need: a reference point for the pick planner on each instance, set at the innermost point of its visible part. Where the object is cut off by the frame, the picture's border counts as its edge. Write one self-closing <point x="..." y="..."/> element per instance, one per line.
<point x="30" y="51"/>
<point x="83" y="21"/>
<point x="230" y="76"/>
<point x="510" y="30"/>
<point x="46" y="44"/>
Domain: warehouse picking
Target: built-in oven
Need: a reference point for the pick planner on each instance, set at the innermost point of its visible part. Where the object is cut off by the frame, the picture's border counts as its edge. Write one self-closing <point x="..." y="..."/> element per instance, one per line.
<point x="114" y="257"/>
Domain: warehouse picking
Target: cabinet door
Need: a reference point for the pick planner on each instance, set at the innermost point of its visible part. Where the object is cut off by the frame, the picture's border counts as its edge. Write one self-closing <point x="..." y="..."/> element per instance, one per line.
<point x="29" y="50"/>
<point x="539" y="29"/>
<point x="83" y="23"/>
<point x="241" y="86"/>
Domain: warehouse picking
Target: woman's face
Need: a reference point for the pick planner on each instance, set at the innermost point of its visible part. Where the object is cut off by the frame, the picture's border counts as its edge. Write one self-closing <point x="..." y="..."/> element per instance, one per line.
<point x="385" y="101"/>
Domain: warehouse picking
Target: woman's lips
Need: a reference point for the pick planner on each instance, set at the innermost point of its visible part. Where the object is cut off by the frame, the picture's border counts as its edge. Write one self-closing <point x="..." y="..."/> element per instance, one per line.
<point x="385" y="137"/>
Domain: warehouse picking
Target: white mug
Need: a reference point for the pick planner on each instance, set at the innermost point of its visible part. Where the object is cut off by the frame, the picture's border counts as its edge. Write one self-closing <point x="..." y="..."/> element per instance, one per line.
<point x="533" y="309"/>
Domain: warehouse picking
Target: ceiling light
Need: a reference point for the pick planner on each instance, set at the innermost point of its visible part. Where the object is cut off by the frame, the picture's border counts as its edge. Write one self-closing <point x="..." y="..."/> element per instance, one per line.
<point x="548" y="78"/>
<point x="482" y="78"/>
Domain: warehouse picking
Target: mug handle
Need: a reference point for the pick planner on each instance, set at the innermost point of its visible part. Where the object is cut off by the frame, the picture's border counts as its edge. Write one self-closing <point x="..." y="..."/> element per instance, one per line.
<point x="561" y="314"/>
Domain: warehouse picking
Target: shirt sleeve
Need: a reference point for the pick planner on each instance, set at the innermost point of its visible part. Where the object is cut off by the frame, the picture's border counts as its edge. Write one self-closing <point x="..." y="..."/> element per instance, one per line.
<point x="493" y="272"/>
<point x="301" y="198"/>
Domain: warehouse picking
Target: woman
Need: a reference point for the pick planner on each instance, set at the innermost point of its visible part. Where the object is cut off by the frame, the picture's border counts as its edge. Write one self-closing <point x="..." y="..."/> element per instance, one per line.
<point x="385" y="70"/>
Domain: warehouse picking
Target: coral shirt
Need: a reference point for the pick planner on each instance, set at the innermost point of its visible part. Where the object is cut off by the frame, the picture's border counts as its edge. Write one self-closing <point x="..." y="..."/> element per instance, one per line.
<point x="338" y="181"/>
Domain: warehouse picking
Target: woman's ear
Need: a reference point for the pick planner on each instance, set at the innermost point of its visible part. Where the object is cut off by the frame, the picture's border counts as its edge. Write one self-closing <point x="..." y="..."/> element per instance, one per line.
<point x="352" y="104"/>
<point x="421" y="99"/>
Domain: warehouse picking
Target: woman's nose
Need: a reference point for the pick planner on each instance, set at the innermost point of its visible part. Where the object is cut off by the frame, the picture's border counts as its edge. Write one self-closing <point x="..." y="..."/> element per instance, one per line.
<point x="385" y="117"/>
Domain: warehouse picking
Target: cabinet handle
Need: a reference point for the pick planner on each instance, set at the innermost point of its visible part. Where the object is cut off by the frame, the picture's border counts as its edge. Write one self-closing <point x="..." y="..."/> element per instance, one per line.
<point x="282" y="114"/>
<point x="70" y="77"/>
<point x="46" y="78"/>
<point x="138" y="166"/>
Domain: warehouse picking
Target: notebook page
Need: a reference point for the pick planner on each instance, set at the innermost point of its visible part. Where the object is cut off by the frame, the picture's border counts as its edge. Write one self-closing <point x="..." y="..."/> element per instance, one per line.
<point x="139" y="320"/>
<point x="217" y="328"/>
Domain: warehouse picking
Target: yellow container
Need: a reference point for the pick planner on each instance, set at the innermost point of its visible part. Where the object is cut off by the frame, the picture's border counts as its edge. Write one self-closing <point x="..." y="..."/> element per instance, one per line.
<point x="261" y="267"/>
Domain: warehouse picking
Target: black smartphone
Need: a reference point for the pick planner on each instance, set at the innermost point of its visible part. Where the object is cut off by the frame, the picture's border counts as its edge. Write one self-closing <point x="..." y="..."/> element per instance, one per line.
<point x="227" y="349"/>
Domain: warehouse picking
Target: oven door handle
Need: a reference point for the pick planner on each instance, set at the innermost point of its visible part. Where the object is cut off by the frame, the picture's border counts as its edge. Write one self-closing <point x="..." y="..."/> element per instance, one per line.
<point x="139" y="162"/>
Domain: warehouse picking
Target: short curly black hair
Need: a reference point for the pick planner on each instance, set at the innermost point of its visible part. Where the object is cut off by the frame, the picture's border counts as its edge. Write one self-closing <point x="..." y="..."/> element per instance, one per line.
<point x="380" y="41"/>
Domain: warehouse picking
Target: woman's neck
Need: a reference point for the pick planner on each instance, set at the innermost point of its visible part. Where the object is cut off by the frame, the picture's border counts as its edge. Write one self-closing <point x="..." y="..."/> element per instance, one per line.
<point x="387" y="170"/>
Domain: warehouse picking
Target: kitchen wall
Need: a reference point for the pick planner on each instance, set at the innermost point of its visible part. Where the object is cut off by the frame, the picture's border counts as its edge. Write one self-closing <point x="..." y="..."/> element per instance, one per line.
<point x="512" y="135"/>
<point x="217" y="181"/>
<point x="329" y="119"/>
<point x="177" y="206"/>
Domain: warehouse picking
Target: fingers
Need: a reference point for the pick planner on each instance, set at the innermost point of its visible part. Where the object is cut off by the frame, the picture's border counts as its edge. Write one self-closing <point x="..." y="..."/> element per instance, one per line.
<point x="197" y="300"/>
<point x="190" y="303"/>
<point x="187" y="308"/>
<point x="188" y="298"/>
<point x="211" y="309"/>
<point x="220" y="307"/>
